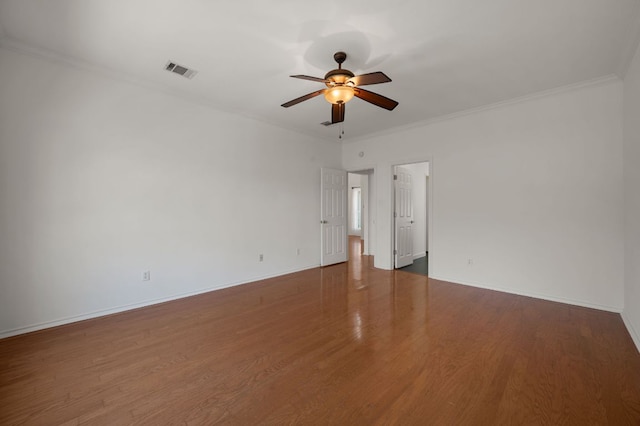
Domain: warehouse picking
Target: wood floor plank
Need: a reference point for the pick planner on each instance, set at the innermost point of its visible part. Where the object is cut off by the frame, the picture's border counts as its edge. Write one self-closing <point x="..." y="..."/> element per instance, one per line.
<point x="345" y="344"/>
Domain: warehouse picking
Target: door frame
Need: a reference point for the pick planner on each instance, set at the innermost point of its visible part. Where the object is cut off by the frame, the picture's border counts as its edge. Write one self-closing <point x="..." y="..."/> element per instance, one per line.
<point x="429" y="211"/>
<point x="371" y="206"/>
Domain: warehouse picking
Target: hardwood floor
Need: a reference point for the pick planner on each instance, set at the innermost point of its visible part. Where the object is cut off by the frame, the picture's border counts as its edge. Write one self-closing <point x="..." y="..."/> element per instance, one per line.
<point x="345" y="345"/>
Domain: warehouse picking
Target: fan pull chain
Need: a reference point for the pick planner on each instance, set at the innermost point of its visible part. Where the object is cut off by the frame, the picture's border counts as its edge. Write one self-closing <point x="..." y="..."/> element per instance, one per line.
<point x="341" y="130"/>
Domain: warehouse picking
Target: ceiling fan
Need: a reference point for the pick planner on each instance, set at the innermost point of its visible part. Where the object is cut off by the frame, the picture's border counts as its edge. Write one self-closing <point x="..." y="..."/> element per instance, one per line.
<point x="342" y="86"/>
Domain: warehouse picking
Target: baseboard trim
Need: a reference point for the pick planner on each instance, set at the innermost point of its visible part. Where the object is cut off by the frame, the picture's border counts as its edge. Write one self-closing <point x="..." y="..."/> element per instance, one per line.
<point x="547" y="297"/>
<point x="419" y="255"/>
<point x="118" y="309"/>
<point x="104" y="312"/>
<point x="632" y="331"/>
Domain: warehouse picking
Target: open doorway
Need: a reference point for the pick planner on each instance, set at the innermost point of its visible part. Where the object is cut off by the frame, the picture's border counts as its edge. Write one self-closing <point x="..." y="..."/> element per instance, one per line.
<point x="411" y="217"/>
<point x="361" y="187"/>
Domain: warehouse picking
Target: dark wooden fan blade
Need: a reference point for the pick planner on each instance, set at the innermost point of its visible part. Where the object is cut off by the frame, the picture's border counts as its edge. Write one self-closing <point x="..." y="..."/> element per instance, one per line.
<point x="337" y="113"/>
<point x="303" y="98"/>
<point x="371" y="78"/>
<point x="374" y="98"/>
<point x="308" y="77"/>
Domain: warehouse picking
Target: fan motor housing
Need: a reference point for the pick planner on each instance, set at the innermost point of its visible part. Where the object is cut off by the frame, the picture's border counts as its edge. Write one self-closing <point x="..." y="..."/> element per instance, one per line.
<point x="338" y="76"/>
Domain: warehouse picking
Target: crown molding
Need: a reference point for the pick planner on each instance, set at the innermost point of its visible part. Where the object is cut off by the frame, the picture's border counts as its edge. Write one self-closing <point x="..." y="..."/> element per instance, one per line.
<point x="122" y="77"/>
<point x="630" y="48"/>
<point x="599" y="81"/>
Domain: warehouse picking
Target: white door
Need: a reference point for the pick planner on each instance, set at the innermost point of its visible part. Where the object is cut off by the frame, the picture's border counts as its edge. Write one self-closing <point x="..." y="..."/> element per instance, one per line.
<point x="403" y="218"/>
<point x="333" y="216"/>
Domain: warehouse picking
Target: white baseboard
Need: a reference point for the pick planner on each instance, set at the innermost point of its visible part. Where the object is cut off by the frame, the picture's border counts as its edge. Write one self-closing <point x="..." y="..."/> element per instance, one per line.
<point x="419" y="255"/>
<point x="632" y="331"/>
<point x="616" y="309"/>
<point x="48" y="324"/>
<point x="123" y="308"/>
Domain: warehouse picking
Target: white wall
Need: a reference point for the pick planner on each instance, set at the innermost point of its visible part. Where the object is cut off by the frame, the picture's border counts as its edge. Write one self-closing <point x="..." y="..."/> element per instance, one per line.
<point x="632" y="198"/>
<point x="101" y="179"/>
<point x="419" y="173"/>
<point x="530" y="190"/>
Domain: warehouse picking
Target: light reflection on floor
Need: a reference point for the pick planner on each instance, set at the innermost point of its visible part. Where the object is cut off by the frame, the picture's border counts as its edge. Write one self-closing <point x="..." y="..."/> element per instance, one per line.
<point x="357" y="291"/>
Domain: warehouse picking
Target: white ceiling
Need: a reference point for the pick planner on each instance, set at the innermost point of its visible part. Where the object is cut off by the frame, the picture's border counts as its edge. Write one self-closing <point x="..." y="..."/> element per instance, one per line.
<point x="444" y="56"/>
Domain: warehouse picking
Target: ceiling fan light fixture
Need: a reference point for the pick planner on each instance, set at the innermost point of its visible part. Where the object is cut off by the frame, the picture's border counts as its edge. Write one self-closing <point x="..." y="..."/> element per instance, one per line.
<point x="342" y="86"/>
<point x="339" y="94"/>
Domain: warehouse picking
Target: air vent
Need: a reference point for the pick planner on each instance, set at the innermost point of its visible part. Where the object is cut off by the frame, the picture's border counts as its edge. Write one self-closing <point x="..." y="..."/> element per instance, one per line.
<point x="179" y="69"/>
<point x="326" y="123"/>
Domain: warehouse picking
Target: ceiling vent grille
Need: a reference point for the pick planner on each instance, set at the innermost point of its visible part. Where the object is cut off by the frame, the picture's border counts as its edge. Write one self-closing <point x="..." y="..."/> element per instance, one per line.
<point x="180" y="70"/>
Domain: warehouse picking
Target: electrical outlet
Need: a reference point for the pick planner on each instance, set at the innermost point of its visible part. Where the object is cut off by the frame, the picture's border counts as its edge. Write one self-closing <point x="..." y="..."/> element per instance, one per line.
<point x="470" y="262"/>
<point x="298" y="252"/>
<point x="146" y="276"/>
<point x="261" y="257"/>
